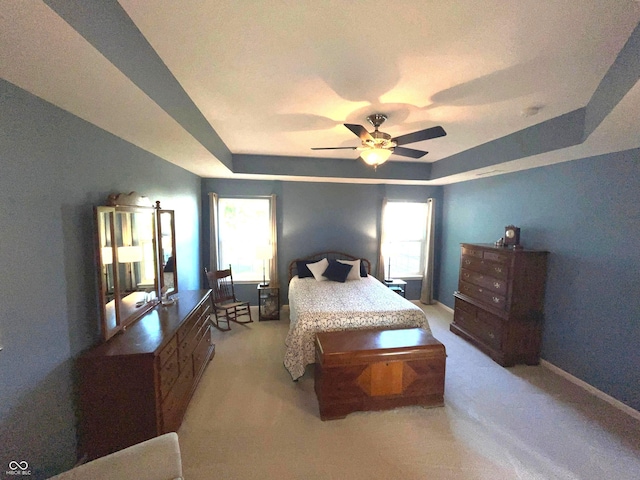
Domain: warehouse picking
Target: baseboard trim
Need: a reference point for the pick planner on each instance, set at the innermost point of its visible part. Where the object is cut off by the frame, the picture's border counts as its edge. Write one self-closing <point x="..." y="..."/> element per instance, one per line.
<point x="435" y="303"/>
<point x="593" y="390"/>
<point x="446" y="307"/>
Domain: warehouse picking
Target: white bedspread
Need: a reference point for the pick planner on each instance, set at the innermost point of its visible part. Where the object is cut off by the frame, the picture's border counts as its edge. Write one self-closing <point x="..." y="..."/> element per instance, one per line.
<point x="329" y="306"/>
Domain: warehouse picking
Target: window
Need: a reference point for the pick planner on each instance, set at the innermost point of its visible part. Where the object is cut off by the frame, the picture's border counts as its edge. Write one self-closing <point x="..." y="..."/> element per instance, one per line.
<point x="244" y="229"/>
<point x="405" y="230"/>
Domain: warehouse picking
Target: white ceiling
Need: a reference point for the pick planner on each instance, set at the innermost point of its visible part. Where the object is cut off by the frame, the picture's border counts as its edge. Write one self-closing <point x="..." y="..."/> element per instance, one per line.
<point x="277" y="77"/>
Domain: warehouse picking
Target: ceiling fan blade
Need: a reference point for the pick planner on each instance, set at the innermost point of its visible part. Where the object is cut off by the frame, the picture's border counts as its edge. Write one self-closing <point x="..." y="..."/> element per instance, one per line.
<point x="420" y="135"/>
<point x="333" y="148"/>
<point x="360" y="131"/>
<point x="409" y="152"/>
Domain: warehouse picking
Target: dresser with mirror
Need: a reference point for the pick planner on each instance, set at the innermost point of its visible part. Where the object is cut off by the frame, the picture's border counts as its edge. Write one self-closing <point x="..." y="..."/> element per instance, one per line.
<point x="136" y="383"/>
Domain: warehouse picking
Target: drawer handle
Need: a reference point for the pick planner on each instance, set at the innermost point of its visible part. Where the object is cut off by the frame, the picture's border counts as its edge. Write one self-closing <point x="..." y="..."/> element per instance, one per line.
<point x="496" y="300"/>
<point x="498" y="269"/>
<point x="496" y="284"/>
<point x="467" y="262"/>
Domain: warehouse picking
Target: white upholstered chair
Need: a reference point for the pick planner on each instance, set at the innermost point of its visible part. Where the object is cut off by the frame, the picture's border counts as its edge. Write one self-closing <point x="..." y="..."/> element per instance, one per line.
<point x="156" y="459"/>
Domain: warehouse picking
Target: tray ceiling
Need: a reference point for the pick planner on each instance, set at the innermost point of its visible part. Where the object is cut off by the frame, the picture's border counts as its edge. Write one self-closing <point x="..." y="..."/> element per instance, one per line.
<point x="245" y="89"/>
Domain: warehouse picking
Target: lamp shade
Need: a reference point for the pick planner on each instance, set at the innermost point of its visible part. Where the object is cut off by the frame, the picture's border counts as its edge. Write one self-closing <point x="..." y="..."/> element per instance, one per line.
<point x="264" y="252"/>
<point x="107" y="255"/>
<point x="389" y="249"/>
<point x="375" y="156"/>
<point x="129" y="254"/>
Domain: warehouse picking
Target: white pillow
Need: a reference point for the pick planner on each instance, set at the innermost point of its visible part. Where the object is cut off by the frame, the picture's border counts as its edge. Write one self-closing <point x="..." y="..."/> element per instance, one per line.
<point x="354" y="274"/>
<point x="318" y="269"/>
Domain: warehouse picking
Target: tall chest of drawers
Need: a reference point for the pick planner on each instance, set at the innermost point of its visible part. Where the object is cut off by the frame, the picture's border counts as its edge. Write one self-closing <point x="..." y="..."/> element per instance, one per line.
<point x="137" y="385"/>
<point x="499" y="302"/>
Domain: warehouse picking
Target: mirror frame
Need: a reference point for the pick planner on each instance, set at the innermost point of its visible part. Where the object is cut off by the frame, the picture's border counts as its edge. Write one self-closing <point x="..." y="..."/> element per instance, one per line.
<point x="161" y="247"/>
<point x="126" y="307"/>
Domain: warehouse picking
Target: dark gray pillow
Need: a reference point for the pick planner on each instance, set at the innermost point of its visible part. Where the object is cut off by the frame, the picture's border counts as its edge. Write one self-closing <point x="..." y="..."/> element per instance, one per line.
<point x="363" y="269"/>
<point x="337" y="271"/>
<point x="303" y="270"/>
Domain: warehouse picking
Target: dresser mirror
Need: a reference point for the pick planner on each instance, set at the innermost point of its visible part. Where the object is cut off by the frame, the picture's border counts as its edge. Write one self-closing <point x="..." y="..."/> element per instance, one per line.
<point x="166" y="233"/>
<point x="130" y="258"/>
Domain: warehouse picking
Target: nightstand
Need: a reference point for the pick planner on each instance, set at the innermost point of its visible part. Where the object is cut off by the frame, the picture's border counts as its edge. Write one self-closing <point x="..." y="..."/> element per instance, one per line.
<point x="268" y="302"/>
<point x="397" y="285"/>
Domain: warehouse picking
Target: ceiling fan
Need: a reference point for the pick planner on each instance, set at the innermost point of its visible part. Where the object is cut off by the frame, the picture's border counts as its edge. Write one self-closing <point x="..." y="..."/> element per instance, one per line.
<point x="378" y="146"/>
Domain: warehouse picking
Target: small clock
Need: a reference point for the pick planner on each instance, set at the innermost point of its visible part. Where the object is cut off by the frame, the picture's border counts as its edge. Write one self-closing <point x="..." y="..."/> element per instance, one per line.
<point x="511" y="236"/>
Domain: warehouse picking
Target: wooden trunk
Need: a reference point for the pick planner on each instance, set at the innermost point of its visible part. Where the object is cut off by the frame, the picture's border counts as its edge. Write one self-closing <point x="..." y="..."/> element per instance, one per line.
<point x="358" y="370"/>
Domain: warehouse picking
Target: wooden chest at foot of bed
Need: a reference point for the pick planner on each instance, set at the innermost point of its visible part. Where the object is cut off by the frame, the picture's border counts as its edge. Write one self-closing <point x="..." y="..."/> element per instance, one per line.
<point x="359" y="370"/>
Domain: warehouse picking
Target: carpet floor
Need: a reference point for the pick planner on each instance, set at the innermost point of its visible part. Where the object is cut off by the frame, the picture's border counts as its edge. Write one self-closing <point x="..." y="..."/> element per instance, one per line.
<point x="249" y="420"/>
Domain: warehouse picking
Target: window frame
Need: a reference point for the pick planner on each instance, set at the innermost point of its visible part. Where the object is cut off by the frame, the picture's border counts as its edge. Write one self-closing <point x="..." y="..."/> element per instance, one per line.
<point x="240" y="278"/>
<point x="389" y="240"/>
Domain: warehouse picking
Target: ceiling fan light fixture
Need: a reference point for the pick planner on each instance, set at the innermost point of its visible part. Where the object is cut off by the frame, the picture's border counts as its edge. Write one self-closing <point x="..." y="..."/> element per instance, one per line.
<point x="375" y="156"/>
<point x="377" y="146"/>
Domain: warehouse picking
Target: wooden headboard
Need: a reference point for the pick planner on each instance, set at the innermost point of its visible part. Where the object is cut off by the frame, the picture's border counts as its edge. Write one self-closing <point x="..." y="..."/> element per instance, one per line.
<point x="293" y="267"/>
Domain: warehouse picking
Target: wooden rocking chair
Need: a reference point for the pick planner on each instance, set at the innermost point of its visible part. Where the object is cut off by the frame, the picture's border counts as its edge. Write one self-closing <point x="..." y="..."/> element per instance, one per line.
<point x="226" y="307"/>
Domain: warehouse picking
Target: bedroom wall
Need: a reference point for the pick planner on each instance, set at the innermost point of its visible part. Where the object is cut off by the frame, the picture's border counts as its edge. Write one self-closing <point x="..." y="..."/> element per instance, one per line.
<point x="319" y="216"/>
<point x="586" y="213"/>
<point x="54" y="167"/>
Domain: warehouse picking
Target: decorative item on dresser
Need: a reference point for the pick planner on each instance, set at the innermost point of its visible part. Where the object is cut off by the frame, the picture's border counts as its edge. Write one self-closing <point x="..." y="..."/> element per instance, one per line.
<point x="511" y="236"/>
<point x="499" y="302"/>
<point x="137" y="385"/>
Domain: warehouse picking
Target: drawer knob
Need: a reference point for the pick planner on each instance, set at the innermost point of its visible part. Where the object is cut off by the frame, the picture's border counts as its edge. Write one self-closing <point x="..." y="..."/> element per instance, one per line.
<point x="498" y="269"/>
<point x="467" y="262"/>
<point x="491" y="335"/>
<point x="496" y="284"/>
<point x="480" y="290"/>
<point x="465" y="275"/>
<point x="496" y="300"/>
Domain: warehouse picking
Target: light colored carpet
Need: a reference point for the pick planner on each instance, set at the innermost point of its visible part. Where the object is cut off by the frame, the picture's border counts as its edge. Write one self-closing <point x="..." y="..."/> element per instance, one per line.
<point x="249" y="420"/>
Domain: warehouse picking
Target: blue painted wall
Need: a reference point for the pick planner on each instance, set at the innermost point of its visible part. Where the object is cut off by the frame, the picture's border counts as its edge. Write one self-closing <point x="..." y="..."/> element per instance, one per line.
<point x="319" y="216"/>
<point x="54" y="167"/>
<point x="586" y="213"/>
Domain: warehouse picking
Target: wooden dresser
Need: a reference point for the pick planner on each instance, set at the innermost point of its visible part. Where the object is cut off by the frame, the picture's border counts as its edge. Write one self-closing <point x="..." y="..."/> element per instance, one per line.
<point x="137" y="385"/>
<point x="499" y="302"/>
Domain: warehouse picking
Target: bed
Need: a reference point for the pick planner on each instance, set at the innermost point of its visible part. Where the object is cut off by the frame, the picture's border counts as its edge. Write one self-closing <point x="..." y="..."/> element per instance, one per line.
<point x="323" y="306"/>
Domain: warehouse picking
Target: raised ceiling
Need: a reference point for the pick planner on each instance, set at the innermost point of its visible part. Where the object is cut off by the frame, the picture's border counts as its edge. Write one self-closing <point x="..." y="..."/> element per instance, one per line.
<point x="246" y="88"/>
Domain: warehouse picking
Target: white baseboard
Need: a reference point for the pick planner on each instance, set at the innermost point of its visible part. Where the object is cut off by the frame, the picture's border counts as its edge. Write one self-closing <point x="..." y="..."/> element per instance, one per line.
<point x="442" y="305"/>
<point x="593" y="390"/>
<point x="436" y="304"/>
